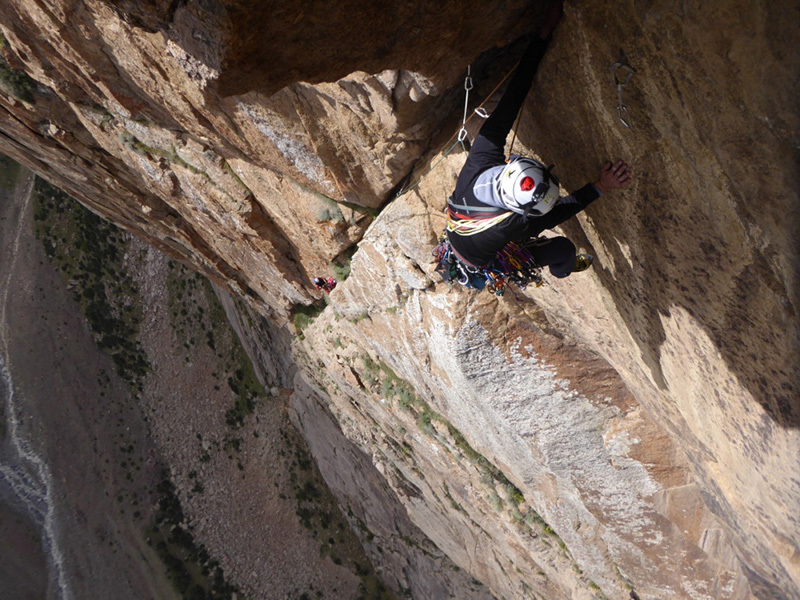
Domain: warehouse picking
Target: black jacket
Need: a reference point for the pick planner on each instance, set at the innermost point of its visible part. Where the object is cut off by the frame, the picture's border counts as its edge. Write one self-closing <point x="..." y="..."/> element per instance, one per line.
<point x="487" y="152"/>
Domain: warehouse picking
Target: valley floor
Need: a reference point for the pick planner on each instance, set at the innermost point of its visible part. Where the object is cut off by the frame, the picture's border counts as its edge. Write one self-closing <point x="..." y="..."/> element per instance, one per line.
<point x="175" y="434"/>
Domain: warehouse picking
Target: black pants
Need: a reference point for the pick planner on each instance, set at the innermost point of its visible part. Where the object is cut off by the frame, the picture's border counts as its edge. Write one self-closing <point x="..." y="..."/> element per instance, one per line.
<point x="558" y="253"/>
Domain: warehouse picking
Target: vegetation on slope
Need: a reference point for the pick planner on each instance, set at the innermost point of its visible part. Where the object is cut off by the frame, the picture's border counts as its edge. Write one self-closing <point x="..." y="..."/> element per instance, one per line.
<point x="16" y="83"/>
<point x="89" y="251"/>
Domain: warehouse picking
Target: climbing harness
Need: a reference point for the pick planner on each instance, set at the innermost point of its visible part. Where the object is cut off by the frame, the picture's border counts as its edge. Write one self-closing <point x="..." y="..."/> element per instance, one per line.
<point x="622" y="73"/>
<point x="511" y="265"/>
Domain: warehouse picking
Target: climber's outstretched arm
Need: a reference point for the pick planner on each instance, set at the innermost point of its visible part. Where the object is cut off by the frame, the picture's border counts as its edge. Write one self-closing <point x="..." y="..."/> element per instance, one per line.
<point x="487" y="149"/>
<point x="613" y="175"/>
<point x="498" y="126"/>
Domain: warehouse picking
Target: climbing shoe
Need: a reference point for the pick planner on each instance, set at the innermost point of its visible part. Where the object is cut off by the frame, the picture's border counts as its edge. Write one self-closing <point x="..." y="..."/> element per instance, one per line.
<point x="582" y="262"/>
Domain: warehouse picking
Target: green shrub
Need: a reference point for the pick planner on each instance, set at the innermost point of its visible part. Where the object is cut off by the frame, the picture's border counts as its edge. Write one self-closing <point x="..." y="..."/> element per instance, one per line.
<point x="341" y="272"/>
<point x="304" y="314"/>
<point x="341" y="264"/>
<point x="17" y="83"/>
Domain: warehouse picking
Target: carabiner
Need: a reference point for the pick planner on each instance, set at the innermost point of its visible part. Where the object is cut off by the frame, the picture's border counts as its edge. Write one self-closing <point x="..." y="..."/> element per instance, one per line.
<point x="622" y="63"/>
<point x="624" y="117"/>
<point x="621" y="74"/>
<point x="629" y="71"/>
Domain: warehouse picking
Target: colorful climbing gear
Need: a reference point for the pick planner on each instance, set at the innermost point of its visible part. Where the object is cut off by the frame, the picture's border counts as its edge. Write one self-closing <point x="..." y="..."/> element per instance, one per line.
<point x="513" y="264"/>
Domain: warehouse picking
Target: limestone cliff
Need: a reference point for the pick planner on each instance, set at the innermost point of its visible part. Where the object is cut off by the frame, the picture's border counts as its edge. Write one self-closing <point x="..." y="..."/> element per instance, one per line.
<point x="632" y="431"/>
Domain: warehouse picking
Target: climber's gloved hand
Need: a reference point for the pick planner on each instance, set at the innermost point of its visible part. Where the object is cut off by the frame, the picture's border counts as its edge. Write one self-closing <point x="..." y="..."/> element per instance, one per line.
<point x="613" y="175"/>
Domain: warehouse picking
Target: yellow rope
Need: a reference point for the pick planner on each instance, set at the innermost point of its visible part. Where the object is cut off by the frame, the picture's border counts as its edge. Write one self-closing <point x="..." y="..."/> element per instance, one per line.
<point x="475" y="226"/>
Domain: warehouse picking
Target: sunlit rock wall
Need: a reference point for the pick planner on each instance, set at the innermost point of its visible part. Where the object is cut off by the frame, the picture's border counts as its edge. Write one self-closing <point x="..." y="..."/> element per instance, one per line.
<point x="631" y="431"/>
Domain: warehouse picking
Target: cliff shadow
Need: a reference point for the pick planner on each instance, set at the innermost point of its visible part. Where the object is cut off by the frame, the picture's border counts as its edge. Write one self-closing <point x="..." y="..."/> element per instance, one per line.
<point x="665" y="258"/>
<point x="709" y="225"/>
<point x="273" y="46"/>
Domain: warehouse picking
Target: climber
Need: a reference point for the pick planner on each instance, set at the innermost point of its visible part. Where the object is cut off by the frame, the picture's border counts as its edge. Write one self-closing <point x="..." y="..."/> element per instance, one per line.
<point x="495" y="202"/>
<point x="326" y="285"/>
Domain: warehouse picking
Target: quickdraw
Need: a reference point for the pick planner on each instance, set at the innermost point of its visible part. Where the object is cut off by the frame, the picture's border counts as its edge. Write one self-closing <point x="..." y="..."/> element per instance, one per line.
<point x="460" y="136"/>
<point x="518" y="266"/>
<point x="512" y="265"/>
<point x="462" y="133"/>
<point x="622" y="73"/>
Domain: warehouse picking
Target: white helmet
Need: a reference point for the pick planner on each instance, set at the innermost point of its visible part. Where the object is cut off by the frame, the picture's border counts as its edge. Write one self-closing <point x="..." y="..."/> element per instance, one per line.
<point x="528" y="187"/>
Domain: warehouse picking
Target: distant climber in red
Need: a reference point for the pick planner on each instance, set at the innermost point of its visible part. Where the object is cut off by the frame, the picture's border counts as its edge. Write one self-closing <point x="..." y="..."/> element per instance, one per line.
<point x="326" y="285"/>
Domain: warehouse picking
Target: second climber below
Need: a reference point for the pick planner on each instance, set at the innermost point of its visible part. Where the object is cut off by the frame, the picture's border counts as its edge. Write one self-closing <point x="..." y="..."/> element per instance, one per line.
<point x="496" y="202"/>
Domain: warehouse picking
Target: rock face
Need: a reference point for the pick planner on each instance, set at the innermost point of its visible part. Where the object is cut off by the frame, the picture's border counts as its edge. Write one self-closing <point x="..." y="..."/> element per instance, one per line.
<point x="631" y="431"/>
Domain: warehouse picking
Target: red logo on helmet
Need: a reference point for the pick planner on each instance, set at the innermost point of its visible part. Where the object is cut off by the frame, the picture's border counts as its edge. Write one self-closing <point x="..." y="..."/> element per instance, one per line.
<point x="527" y="184"/>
